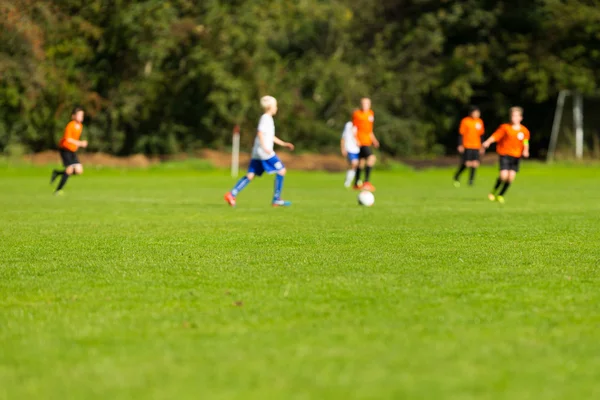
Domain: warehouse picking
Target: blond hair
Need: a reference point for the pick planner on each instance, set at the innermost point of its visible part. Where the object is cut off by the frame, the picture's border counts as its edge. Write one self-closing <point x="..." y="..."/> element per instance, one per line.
<point x="267" y="102"/>
<point x="515" y="110"/>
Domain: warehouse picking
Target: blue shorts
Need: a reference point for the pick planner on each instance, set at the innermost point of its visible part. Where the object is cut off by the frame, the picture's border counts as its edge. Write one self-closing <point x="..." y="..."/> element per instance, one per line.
<point x="352" y="157"/>
<point x="270" y="166"/>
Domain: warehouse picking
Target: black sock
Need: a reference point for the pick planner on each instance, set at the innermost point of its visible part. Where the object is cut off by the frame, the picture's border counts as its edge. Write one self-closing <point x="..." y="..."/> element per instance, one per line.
<point x="63" y="181"/>
<point x="498" y="183"/>
<point x="505" y="188"/>
<point x="472" y="176"/>
<point x="367" y="173"/>
<point x="460" y="171"/>
<point x="357" y="176"/>
<point x="57" y="172"/>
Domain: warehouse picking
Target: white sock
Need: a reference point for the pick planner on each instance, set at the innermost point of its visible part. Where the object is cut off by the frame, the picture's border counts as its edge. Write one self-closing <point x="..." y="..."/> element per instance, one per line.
<point x="349" y="177"/>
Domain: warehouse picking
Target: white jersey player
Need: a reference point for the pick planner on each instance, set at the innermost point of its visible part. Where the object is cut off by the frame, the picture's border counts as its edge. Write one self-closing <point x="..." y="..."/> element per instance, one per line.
<point x="350" y="150"/>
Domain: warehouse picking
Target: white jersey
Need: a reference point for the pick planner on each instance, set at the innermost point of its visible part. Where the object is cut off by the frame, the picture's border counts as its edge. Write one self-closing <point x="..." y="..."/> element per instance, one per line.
<point x="349" y="137"/>
<point x="266" y="125"/>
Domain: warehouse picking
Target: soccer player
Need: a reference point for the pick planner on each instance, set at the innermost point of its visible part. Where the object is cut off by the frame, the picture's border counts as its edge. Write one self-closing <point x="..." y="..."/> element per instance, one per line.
<point x="350" y="150"/>
<point x="67" y="148"/>
<point x="512" y="144"/>
<point x="264" y="158"/>
<point x="363" y="120"/>
<point x="469" y="144"/>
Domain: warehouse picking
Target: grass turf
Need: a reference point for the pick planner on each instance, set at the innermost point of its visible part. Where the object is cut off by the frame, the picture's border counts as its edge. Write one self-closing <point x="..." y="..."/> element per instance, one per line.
<point x="144" y="284"/>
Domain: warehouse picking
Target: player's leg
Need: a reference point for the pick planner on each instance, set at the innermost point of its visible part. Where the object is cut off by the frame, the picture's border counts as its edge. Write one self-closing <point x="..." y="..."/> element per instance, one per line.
<point x="370" y="163"/>
<point x="353" y="163"/>
<point x="277" y="201"/>
<point x="510" y="177"/>
<point x="359" y="166"/>
<point x="69" y="170"/>
<point x="255" y="168"/>
<point x="474" y="165"/>
<point x="461" y="168"/>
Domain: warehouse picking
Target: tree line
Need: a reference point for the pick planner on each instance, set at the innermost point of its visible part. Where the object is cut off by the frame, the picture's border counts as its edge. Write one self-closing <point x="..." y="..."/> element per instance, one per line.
<point x="168" y="76"/>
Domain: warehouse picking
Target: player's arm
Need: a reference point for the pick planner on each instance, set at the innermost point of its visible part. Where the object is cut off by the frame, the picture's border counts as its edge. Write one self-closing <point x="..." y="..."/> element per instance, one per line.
<point x="343" y="147"/>
<point x="375" y="141"/>
<point x="461" y="133"/>
<point x="494" y="138"/>
<point x="78" y="143"/>
<point x="280" y="142"/>
<point x="526" y="145"/>
<point x="261" y="140"/>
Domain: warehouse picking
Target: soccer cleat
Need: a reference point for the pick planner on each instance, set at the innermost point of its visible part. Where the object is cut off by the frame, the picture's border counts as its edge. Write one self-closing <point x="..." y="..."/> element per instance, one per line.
<point x="470" y="183"/>
<point x="358" y="186"/>
<point x="347" y="184"/>
<point x="368" y="187"/>
<point x="491" y="197"/>
<point x="230" y="199"/>
<point x="281" y="203"/>
<point x="54" y="176"/>
<point x="456" y="184"/>
<point x="500" y="199"/>
<point x="59" y="193"/>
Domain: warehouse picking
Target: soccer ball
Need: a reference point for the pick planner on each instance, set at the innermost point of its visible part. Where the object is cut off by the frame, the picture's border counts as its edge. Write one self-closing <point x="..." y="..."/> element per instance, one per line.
<point x="366" y="198"/>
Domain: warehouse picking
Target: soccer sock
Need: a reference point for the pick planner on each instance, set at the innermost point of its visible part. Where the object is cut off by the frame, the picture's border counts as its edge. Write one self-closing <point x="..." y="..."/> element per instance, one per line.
<point x="498" y="183"/>
<point x="357" y="176"/>
<point x="63" y="181"/>
<point x="460" y="171"/>
<point x="368" y="173"/>
<point x="241" y="184"/>
<point x="57" y="172"/>
<point x="349" y="176"/>
<point x="472" y="175"/>
<point x="505" y="188"/>
<point x="278" y="187"/>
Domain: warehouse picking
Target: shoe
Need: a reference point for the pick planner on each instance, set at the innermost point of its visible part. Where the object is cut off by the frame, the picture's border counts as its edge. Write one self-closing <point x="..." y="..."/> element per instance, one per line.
<point x="281" y="203"/>
<point x="470" y="183"/>
<point x="491" y="197"/>
<point x="230" y="199"/>
<point x="500" y="199"/>
<point x="54" y="176"/>
<point x="358" y="186"/>
<point x="456" y="184"/>
<point x="59" y="193"/>
<point x="347" y="185"/>
<point x="368" y="187"/>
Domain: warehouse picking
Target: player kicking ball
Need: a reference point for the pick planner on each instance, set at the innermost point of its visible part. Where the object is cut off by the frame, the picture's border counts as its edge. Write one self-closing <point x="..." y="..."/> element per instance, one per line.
<point x="469" y="144"/>
<point x="68" y="146"/>
<point x="512" y="144"/>
<point x="350" y="150"/>
<point x="264" y="158"/>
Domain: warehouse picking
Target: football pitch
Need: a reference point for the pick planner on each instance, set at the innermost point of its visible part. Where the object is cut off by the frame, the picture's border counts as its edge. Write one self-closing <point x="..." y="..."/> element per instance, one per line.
<point x="144" y="284"/>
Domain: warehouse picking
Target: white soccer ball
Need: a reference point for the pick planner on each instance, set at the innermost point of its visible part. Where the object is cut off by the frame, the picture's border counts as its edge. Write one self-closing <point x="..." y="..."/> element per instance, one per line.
<point x="366" y="199"/>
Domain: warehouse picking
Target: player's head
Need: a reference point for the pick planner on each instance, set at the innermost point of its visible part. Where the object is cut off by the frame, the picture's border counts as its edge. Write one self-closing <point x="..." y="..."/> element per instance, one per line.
<point x="78" y="114"/>
<point x="516" y="115"/>
<point x="474" y="112"/>
<point x="365" y="104"/>
<point x="269" y="104"/>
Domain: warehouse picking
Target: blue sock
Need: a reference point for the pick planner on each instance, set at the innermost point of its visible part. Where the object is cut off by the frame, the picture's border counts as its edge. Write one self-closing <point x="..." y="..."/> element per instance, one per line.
<point x="278" y="187"/>
<point x="241" y="184"/>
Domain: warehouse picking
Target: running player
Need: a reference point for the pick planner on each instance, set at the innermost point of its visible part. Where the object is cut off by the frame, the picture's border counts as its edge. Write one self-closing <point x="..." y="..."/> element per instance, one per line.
<point x="264" y="158"/>
<point x="512" y="144"/>
<point x="363" y="120"/>
<point x="469" y="144"/>
<point x="67" y="148"/>
<point x="350" y="150"/>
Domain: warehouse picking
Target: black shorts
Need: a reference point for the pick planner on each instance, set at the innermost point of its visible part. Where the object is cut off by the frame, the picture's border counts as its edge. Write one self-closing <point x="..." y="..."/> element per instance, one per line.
<point x="68" y="157"/>
<point x="510" y="163"/>
<point x="470" y="155"/>
<point x="365" y="152"/>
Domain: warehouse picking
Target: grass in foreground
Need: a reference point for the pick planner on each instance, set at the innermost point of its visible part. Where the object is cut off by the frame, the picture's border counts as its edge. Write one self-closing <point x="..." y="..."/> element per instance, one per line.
<point x="146" y="285"/>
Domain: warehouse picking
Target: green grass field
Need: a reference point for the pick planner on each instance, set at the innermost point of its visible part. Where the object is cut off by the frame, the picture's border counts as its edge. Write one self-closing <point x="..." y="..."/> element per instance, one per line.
<point x="145" y="285"/>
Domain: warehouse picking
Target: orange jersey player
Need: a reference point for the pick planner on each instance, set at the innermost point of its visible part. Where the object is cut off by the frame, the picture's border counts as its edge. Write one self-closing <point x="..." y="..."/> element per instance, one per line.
<point x="512" y="144"/>
<point x="469" y="144"/>
<point x="363" y="121"/>
<point x="67" y="148"/>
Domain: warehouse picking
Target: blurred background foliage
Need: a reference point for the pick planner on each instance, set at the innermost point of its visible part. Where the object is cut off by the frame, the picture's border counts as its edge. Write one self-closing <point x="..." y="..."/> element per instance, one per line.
<point x="169" y="76"/>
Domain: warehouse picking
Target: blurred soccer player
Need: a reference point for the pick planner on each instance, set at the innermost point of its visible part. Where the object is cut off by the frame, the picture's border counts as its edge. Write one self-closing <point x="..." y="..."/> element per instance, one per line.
<point x="469" y="144"/>
<point x="350" y="150"/>
<point x="512" y="144"/>
<point x="363" y="120"/>
<point x="67" y="148"/>
<point x="264" y="158"/>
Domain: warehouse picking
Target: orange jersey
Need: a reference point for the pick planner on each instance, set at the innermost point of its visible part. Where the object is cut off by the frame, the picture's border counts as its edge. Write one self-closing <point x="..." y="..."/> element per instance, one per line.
<point x="72" y="131"/>
<point x="510" y="141"/>
<point x="363" y="121"/>
<point x="471" y="130"/>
